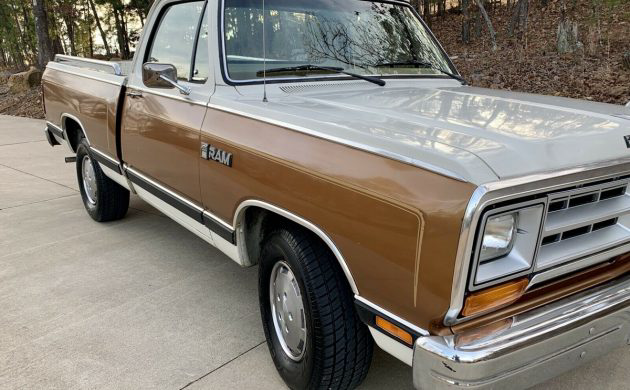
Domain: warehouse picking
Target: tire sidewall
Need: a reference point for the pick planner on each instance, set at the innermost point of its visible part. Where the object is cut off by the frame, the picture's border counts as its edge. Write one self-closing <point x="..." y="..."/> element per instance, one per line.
<point x="82" y="151"/>
<point x="296" y="374"/>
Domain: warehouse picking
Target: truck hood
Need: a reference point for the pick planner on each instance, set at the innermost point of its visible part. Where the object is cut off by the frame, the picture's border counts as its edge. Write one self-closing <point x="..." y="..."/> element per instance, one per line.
<point x="477" y="134"/>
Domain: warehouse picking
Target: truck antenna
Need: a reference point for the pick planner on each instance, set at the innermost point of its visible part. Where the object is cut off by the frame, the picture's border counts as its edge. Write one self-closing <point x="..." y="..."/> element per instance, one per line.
<point x="264" y="55"/>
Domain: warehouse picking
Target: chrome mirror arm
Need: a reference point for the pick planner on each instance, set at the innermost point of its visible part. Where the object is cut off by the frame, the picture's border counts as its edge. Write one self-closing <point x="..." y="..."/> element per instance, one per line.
<point x="183" y="90"/>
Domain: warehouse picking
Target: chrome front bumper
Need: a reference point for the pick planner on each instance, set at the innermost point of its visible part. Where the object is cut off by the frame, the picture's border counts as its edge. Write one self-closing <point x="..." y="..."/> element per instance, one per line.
<point x="529" y="348"/>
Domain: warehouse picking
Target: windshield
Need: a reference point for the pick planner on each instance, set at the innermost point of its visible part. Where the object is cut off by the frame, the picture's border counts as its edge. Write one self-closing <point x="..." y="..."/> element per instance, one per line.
<point x="365" y="37"/>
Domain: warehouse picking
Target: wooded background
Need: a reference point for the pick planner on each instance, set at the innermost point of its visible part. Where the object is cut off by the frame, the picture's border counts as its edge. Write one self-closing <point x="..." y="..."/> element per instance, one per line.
<point x="574" y="48"/>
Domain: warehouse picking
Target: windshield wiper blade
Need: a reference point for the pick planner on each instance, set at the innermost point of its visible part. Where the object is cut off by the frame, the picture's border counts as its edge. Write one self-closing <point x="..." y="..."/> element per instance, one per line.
<point x="309" y="67"/>
<point x="423" y="64"/>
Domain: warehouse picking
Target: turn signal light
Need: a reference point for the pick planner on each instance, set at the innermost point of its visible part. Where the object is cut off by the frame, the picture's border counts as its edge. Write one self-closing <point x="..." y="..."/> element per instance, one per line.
<point x="394" y="330"/>
<point x="494" y="297"/>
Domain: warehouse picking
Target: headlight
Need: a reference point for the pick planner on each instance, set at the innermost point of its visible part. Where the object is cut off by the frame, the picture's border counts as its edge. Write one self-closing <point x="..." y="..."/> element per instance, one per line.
<point x="498" y="237"/>
<point x="507" y="243"/>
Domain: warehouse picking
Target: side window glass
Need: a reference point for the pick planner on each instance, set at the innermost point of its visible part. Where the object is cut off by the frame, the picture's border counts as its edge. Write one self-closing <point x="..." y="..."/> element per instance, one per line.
<point x="201" y="69"/>
<point x="174" y="40"/>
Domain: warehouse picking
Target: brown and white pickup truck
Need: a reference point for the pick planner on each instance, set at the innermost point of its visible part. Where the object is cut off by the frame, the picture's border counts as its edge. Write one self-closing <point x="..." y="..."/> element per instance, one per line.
<point x="480" y="236"/>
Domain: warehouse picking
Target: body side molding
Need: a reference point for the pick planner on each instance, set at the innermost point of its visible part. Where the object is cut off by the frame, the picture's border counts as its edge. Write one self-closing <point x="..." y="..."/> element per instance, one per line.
<point x="182" y="204"/>
<point x="238" y="220"/>
<point x="106" y="160"/>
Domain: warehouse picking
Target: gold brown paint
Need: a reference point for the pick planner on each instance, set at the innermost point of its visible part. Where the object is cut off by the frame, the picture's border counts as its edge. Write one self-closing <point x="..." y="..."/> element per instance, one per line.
<point x="92" y="102"/>
<point x="160" y="138"/>
<point x="392" y="222"/>
<point x="396" y="225"/>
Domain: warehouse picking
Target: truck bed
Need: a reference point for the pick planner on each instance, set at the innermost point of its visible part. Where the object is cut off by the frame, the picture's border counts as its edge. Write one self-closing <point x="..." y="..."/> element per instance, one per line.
<point x="85" y="93"/>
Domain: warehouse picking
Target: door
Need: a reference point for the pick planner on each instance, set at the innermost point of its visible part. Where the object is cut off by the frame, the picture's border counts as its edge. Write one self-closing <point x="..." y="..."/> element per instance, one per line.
<point x="161" y="126"/>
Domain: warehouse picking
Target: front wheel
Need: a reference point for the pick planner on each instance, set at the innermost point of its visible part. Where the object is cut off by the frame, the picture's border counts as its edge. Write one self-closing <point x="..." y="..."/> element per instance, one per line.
<point x="104" y="199"/>
<point x="314" y="335"/>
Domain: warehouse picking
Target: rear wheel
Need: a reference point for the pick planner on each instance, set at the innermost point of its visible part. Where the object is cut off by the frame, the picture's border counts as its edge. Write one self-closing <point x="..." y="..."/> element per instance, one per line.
<point x="104" y="199"/>
<point x="314" y="335"/>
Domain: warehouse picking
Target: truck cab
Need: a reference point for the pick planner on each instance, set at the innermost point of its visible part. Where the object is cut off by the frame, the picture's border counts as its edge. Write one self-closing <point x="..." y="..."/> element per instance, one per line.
<point x="479" y="236"/>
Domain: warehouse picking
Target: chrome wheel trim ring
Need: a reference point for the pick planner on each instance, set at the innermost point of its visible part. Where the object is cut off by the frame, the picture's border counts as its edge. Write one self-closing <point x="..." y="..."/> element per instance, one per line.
<point x="89" y="179"/>
<point x="287" y="311"/>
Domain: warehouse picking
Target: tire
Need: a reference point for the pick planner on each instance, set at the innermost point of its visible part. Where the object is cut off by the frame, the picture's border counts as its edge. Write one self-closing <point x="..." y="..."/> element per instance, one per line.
<point x="108" y="201"/>
<point x="338" y="346"/>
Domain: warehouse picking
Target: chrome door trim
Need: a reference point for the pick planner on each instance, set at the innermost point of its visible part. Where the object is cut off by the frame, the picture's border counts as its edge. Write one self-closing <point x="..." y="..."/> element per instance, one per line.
<point x="106" y="160"/>
<point x="238" y="221"/>
<point x="191" y="209"/>
<point x="183" y="204"/>
<point x="510" y="189"/>
<point x="169" y="96"/>
<point x="218" y="220"/>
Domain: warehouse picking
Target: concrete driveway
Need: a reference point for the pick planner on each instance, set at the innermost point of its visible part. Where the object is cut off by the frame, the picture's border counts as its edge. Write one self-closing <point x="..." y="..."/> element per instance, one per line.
<point x="138" y="303"/>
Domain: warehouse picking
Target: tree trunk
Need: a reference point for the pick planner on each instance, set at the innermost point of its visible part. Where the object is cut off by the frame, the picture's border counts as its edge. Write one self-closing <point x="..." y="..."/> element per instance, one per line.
<point x="68" y="18"/>
<point x="518" y="24"/>
<point x="441" y="4"/>
<point x="466" y="21"/>
<point x="108" y="51"/>
<point x="567" y="34"/>
<point x="416" y="5"/>
<point x="3" y="59"/>
<point x="426" y="11"/>
<point x="29" y="34"/>
<point x="493" y="34"/>
<point x="121" y="32"/>
<point x="45" y="51"/>
<point x="21" y="38"/>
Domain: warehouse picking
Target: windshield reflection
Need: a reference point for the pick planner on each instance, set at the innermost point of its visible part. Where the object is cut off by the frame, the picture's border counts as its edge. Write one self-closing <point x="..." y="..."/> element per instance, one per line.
<point x="365" y="37"/>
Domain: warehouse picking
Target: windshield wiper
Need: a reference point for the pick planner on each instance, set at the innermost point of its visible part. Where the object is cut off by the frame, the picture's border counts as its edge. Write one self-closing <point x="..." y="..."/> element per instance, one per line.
<point x="309" y="67"/>
<point x="423" y="64"/>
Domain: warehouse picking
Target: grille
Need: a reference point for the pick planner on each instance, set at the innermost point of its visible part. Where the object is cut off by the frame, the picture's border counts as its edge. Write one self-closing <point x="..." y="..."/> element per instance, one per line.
<point x="584" y="221"/>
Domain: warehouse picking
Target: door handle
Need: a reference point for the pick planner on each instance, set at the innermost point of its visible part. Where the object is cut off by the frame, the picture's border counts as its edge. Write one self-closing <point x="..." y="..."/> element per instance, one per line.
<point x="134" y="94"/>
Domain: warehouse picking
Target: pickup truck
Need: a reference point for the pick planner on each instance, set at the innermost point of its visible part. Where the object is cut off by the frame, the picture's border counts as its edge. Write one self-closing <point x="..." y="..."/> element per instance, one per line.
<point x="480" y="236"/>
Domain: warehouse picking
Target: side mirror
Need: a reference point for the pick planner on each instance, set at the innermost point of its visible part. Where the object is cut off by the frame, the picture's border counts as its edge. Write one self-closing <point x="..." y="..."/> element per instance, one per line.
<point x="156" y="75"/>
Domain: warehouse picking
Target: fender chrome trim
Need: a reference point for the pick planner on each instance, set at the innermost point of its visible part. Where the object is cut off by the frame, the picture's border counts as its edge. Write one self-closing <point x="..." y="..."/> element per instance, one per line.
<point x="239" y="214"/>
<point x="66" y="116"/>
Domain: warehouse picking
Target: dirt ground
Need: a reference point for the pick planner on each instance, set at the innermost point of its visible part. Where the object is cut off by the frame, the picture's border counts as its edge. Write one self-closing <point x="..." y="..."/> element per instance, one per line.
<point x="533" y="64"/>
<point x="594" y="72"/>
<point x="28" y="104"/>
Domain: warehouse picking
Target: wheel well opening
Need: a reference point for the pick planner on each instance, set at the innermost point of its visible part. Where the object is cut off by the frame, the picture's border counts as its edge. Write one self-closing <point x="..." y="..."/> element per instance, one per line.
<point x="74" y="132"/>
<point x="254" y="222"/>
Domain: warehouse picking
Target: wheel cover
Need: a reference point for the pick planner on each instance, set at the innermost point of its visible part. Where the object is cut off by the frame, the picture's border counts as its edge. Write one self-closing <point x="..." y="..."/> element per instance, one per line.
<point x="89" y="179"/>
<point x="287" y="310"/>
